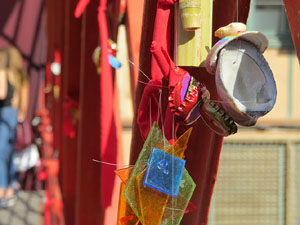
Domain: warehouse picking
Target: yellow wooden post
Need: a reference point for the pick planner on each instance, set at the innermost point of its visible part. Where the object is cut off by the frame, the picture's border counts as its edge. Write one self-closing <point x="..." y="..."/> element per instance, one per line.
<point x="193" y="32"/>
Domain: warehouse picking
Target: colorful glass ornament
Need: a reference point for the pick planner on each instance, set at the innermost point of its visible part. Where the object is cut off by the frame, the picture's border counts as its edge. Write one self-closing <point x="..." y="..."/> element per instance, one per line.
<point x="131" y="192"/>
<point x="151" y="206"/>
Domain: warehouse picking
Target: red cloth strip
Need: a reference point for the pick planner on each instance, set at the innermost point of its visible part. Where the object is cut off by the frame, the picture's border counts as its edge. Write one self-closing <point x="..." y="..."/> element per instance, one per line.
<point x="81" y="5"/>
<point x="108" y="138"/>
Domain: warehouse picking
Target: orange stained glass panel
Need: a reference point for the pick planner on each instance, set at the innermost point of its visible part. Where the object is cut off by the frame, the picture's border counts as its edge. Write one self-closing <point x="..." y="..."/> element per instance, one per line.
<point x="152" y="202"/>
<point x="126" y="215"/>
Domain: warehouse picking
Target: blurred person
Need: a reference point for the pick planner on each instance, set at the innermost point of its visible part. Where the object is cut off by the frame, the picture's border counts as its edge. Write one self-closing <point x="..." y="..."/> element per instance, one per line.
<point x="13" y="109"/>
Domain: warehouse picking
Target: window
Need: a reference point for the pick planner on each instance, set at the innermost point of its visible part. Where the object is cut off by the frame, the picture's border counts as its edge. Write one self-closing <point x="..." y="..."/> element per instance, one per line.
<point x="269" y="2"/>
<point x="269" y="17"/>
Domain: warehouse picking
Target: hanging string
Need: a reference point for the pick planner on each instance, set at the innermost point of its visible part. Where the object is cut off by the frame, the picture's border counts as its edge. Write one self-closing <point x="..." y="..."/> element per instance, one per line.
<point x="132" y="63"/>
<point x="118" y="165"/>
<point x="173" y="138"/>
<point x="173" y="209"/>
<point x="154" y="85"/>
<point x="150" y="113"/>
<point x="159" y="114"/>
<point x="145" y="75"/>
<point x="173" y="132"/>
<point x="111" y="164"/>
<point x="213" y="100"/>
<point x="158" y="110"/>
<point x="165" y="87"/>
<point x="225" y="102"/>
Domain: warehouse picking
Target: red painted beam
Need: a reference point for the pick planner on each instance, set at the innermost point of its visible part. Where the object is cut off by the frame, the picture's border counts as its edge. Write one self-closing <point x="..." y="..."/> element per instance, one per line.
<point x="80" y="177"/>
<point x="70" y="88"/>
<point x="64" y="37"/>
<point x="88" y="193"/>
<point x="292" y="8"/>
<point x="54" y="214"/>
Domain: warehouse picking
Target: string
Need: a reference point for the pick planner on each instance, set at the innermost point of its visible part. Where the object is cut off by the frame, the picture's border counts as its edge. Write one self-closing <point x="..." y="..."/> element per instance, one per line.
<point x="173" y="132"/>
<point x="159" y="113"/>
<point x="154" y="85"/>
<point x="120" y="165"/>
<point x="225" y="102"/>
<point x="161" y="116"/>
<point x="158" y="108"/>
<point x="150" y="114"/>
<point x="165" y="87"/>
<point x="145" y="75"/>
<point x="174" y="209"/>
<point x="173" y="138"/>
<point x="213" y="100"/>
<point x="110" y="164"/>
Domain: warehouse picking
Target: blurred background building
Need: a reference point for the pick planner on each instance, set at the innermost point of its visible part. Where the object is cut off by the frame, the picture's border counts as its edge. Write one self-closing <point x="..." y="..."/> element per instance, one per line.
<point x="259" y="174"/>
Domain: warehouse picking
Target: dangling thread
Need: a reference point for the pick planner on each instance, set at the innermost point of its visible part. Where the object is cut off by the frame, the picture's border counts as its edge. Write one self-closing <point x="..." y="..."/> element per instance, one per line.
<point x="161" y="116"/>
<point x="225" y="102"/>
<point x="132" y="63"/>
<point x="150" y="114"/>
<point x="154" y="85"/>
<point x="111" y="164"/>
<point x="158" y="112"/>
<point x="173" y="137"/>
<point x="144" y="74"/>
<point x="173" y="209"/>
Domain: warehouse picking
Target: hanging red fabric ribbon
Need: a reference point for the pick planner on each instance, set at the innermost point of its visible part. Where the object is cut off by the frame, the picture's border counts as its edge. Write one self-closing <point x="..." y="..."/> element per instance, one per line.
<point x="161" y="67"/>
<point x="80" y="7"/>
<point x="108" y="137"/>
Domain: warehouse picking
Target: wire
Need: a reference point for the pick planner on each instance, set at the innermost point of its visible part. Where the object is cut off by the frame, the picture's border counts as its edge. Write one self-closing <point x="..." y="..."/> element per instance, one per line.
<point x="110" y="164"/>
<point x="132" y="63"/>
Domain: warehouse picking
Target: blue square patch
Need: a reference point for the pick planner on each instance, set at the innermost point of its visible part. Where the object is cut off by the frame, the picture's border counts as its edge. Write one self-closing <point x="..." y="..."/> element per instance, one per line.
<point x="164" y="172"/>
